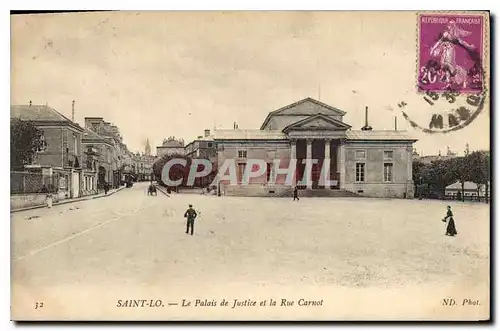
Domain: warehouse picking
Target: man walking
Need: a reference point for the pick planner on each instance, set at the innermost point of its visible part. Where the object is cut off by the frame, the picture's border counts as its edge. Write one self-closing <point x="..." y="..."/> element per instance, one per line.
<point x="296" y="194"/>
<point x="190" y="214"/>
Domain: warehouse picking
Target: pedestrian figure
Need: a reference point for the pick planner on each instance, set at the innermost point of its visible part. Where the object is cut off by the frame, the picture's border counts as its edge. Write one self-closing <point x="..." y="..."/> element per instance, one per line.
<point x="296" y="194"/>
<point x="49" y="200"/>
<point x="106" y="188"/>
<point x="450" y="229"/>
<point x="190" y="214"/>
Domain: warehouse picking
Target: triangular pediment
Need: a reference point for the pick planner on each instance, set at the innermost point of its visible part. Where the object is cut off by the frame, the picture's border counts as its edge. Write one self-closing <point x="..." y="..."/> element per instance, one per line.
<point x="317" y="122"/>
<point x="309" y="106"/>
<point x="305" y="107"/>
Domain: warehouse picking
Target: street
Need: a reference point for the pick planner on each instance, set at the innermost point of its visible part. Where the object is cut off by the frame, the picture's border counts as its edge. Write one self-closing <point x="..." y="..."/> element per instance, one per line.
<point x="347" y="251"/>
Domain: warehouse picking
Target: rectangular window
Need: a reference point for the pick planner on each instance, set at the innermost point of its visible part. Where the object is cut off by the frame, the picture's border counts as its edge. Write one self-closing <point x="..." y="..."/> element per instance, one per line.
<point x="210" y="145"/>
<point x="388" y="172"/>
<point x="360" y="154"/>
<point x="360" y="172"/>
<point x="242" y="154"/>
<point x="388" y="155"/>
<point x="42" y="144"/>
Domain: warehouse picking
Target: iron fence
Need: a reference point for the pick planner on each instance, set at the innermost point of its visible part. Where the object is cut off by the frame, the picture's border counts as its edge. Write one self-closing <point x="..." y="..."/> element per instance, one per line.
<point x="33" y="182"/>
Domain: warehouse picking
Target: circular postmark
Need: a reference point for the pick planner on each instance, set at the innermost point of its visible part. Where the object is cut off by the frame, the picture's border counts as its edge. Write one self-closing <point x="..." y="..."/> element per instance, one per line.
<point x="451" y="88"/>
<point x="443" y="112"/>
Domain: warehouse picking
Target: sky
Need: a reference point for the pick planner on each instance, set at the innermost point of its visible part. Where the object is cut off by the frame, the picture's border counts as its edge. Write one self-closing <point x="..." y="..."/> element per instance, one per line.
<point x="161" y="74"/>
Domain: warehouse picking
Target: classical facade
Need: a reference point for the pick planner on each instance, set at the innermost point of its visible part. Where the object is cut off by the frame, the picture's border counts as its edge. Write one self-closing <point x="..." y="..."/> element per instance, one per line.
<point x="366" y="162"/>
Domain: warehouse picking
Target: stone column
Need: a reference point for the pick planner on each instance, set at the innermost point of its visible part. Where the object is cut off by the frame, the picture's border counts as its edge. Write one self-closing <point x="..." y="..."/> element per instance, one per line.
<point x="309" y="163"/>
<point x="293" y="154"/>
<point x="327" y="161"/>
<point x="341" y="164"/>
<point x="293" y="160"/>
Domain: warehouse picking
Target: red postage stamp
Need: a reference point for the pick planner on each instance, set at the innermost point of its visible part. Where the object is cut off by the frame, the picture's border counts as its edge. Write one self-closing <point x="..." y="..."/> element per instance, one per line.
<point x="450" y="52"/>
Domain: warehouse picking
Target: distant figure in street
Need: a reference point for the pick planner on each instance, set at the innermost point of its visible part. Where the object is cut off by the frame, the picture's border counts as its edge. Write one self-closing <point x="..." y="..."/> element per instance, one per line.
<point x="190" y="214"/>
<point x="106" y="188"/>
<point x="296" y="194"/>
<point x="450" y="229"/>
<point x="49" y="200"/>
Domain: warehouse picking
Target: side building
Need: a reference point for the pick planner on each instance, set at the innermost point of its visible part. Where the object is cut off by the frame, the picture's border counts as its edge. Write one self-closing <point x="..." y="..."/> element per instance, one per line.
<point x="59" y="166"/>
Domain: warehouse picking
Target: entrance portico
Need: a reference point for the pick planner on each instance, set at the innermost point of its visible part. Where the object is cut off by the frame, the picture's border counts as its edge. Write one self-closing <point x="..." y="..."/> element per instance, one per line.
<point x="316" y="143"/>
<point x="324" y="155"/>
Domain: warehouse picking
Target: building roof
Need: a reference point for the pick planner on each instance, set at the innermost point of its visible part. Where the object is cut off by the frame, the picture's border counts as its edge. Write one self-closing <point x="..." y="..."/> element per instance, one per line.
<point x="379" y="135"/>
<point x="39" y="113"/>
<point x="458" y="186"/>
<point x="89" y="136"/>
<point x="242" y="134"/>
<point x="172" y="142"/>
<point x="36" y="113"/>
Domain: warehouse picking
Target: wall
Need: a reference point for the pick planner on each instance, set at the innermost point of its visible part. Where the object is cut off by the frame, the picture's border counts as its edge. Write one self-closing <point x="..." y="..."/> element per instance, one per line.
<point x="256" y="191"/>
<point x="260" y="150"/>
<point x="26" y="200"/>
<point x="374" y="185"/>
<point x="60" y="146"/>
<point x="53" y="154"/>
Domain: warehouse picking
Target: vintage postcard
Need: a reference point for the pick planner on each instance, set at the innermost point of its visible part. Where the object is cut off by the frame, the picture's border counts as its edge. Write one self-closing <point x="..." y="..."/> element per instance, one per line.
<point x="250" y="166"/>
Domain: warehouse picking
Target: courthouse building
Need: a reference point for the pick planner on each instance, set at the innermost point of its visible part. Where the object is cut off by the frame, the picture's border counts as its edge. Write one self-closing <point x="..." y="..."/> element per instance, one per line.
<point x="364" y="162"/>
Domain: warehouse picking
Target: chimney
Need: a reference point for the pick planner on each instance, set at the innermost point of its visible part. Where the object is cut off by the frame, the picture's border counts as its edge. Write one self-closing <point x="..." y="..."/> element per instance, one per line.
<point x="395" y="123"/>
<point x="366" y="127"/>
<point x="207" y="133"/>
<point x="73" y="111"/>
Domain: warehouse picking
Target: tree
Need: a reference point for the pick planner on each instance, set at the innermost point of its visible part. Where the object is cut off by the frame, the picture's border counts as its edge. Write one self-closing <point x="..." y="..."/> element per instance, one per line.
<point x="419" y="172"/>
<point x="176" y="172"/>
<point x="479" y="164"/>
<point x="25" y="140"/>
<point x="459" y="170"/>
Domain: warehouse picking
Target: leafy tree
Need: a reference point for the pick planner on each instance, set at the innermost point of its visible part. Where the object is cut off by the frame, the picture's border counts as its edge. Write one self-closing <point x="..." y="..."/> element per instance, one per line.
<point x="479" y="163"/>
<point x="176" y="172"/>
<point x="25" y="140"/>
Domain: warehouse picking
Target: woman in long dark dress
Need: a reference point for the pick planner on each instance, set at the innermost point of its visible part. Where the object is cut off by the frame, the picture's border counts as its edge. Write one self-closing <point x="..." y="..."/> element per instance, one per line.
<point x="450" y="229"/>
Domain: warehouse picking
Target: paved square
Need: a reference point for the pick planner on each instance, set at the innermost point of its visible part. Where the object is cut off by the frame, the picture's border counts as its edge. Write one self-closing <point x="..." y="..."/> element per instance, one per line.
<point x="133" y="244"/>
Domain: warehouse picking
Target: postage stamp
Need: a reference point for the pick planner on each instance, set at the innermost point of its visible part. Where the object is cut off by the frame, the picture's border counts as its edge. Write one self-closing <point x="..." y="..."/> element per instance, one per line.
<point x="450" y="53"/>
<point x="452" y="73"/>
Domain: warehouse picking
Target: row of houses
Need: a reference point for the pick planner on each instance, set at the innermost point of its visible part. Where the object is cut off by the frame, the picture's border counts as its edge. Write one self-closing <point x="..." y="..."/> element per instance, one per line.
<point x="76" y="161"/>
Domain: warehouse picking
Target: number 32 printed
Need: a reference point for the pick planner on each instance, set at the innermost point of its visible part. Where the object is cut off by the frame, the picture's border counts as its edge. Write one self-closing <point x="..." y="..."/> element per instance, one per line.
<point x="38" y="305"/>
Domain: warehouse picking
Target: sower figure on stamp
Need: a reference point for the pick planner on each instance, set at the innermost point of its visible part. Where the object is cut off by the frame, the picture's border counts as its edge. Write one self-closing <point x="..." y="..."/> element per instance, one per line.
<point x="450" y="229"/>
<point x="296" y="194"/>
<point x="444" y="48"/>
<point x="190" y="214"/>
